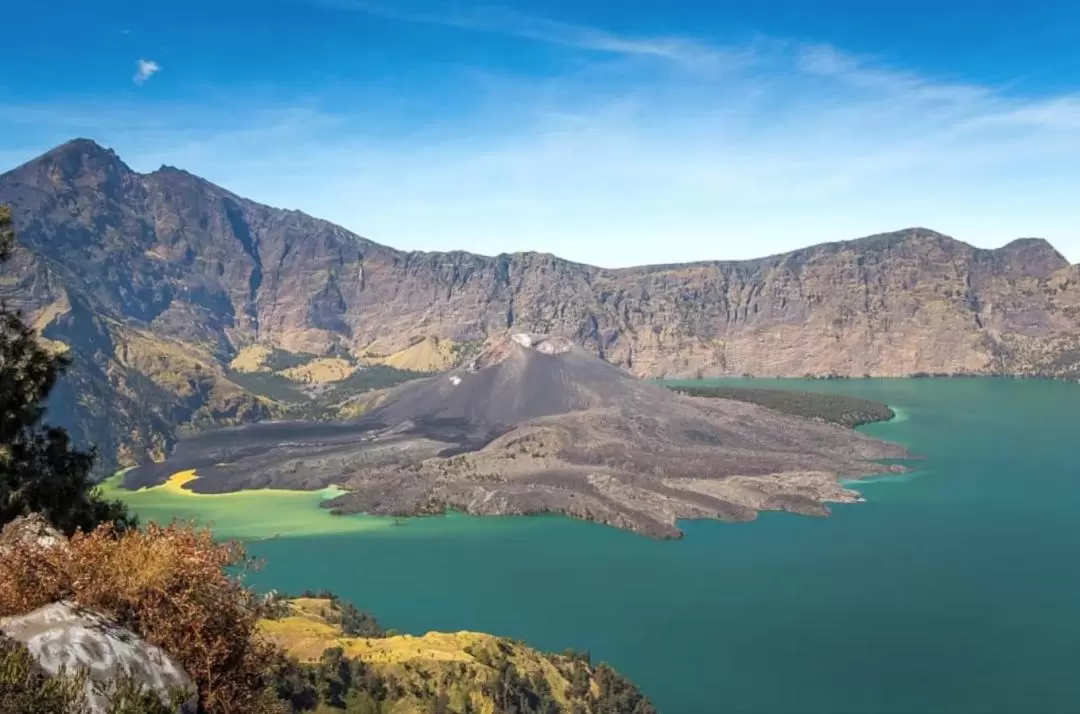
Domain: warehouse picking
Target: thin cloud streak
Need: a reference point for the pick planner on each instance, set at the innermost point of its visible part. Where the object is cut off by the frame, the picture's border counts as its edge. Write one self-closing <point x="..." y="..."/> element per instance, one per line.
<point x="513" y="23"/>
<point x="813" y="59"/>
<point x="824" y="60"/>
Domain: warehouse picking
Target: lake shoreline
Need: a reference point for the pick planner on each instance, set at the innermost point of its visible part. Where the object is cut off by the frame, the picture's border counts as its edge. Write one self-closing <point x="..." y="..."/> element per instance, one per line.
<point x="922" y="568"/>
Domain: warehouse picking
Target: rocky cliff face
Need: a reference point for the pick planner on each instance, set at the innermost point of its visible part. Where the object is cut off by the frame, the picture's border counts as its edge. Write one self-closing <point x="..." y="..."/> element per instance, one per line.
<point x="157" y="281"/>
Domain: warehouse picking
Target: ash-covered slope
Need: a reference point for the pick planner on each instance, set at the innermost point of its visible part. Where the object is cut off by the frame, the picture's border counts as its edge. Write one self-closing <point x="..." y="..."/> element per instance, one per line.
<point x="518" y="379"/>
<point x="539" y="425"/>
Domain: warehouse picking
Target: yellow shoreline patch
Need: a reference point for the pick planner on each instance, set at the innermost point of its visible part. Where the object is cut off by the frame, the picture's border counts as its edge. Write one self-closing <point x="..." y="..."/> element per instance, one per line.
<point x="175" y="485"/>
<point x="248" y="515"/>
<point x="176" y="482"/>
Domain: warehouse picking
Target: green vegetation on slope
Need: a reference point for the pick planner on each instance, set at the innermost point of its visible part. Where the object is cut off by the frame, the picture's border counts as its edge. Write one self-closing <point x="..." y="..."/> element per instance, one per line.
<point x="298" y="403"/>
<point x="834" y="408"/>
<point x="352" y="621"/>
<point x="444" y="673"/>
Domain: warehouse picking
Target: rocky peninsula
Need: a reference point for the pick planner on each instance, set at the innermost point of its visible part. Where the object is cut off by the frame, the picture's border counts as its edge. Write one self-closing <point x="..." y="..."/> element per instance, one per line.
<point x="535" y="424"/>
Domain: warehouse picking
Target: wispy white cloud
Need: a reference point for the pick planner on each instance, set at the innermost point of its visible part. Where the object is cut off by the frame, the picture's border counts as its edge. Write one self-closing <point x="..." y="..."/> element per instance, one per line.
<point x="514" y="23"/>
<point x="824" y="60"/>
<point x="144" y="70"/>
<point x="765" y="53"/>
<point x="794" y="142"/>
<point x="1061" y="113"/>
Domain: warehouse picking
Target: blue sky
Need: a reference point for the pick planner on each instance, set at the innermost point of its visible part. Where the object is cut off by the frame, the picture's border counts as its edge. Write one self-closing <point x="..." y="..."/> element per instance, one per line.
<point x="614" y="133"/>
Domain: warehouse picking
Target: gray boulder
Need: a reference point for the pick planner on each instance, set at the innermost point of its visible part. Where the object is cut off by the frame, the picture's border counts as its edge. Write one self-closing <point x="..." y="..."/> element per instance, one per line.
<point x="62" y="637"/>
<point x="31" y="531"/>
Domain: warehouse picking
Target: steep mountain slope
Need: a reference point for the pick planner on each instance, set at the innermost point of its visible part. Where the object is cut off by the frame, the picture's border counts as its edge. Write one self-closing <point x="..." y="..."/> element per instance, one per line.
<point x="190" y="274"/>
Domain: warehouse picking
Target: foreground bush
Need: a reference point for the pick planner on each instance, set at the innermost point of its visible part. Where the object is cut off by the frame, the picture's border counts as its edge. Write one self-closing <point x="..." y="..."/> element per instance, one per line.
<point x="170" y="585"/>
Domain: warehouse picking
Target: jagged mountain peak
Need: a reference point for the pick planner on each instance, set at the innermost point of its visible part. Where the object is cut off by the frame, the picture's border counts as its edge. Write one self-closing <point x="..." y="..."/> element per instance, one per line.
<point x="82" y="156"/>
<point x="81" y="145"/>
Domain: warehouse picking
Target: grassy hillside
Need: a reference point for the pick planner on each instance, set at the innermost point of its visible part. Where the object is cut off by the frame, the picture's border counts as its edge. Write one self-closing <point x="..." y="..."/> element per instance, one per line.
<point x="438" y="672"/>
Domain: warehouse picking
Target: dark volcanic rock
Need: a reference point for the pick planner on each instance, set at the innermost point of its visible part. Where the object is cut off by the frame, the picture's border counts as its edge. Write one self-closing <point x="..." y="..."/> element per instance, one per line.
<point x="528" y="428"/>
<point x="517" y="385"/>
<point x="155" y="282"/>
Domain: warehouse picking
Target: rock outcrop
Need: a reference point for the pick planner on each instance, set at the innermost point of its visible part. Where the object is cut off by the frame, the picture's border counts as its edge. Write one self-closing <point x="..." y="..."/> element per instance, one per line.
<point x="31" y="531"/>
<point x="157" y="281"/>
<point x="65" y="640"/>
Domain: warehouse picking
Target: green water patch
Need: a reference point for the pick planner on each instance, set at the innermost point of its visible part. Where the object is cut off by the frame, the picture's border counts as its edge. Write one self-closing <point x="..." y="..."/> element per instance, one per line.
<point x="248" y="515"/>
<point x="899" y="415"/>
<point x="275" y="513"/>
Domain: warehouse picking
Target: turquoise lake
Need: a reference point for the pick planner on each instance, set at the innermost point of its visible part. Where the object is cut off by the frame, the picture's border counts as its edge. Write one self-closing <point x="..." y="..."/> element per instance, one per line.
<point x="954" y="589"/>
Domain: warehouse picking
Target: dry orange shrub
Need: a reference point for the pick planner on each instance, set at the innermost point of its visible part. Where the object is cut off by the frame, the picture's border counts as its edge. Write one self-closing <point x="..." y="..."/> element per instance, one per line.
<point x="169" y="584"/>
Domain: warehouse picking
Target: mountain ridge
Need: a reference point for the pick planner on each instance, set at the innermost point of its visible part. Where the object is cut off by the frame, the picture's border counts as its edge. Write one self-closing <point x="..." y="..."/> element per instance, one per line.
<point x="94" y="148"/>
<point x="157" y="281"/>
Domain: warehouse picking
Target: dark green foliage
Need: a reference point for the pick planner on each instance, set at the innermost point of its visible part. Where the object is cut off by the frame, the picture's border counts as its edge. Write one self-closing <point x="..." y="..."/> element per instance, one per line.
<point x="518" y="693"/>
<point x="318" y="404"/>
<point x="376" y="376"/>
<point x="357" y="623"/>
<point x="834" y="408"/>
<point x="618" y="695"/>
<point x="40" y="471"/>
<point x="270" y="385"/>
<point x="336" y="682"/>
<point x="339" y="683"/>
